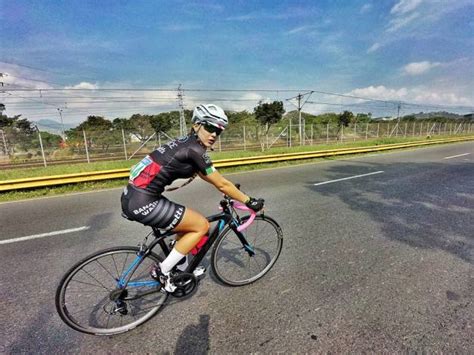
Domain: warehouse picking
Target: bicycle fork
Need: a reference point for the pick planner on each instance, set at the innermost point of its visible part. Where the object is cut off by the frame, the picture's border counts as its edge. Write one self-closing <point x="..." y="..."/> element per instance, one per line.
<point x="245" y="244"/>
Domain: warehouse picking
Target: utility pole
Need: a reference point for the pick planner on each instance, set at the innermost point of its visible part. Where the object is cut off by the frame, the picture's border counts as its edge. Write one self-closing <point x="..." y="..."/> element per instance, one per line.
<point x="62" y="123"/>
<point x="182" y="120"/>
<point x="300" y="97"/>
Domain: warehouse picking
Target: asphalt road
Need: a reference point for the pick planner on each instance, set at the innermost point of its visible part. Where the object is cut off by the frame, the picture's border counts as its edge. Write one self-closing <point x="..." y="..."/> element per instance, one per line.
<point x="382" y="262"/>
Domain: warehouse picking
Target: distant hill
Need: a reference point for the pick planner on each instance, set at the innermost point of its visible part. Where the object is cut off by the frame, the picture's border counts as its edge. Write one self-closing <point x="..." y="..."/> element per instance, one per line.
<point x="52" y="126"/>
<point x="438" y="114"/>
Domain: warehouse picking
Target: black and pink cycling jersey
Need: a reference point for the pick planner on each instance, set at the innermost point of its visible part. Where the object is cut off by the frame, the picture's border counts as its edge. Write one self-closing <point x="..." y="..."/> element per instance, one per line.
<point x="179" y="159"/>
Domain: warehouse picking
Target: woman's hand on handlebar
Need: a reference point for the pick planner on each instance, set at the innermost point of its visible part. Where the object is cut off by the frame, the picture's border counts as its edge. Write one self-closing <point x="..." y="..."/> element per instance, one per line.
<point x="255" y="204"/>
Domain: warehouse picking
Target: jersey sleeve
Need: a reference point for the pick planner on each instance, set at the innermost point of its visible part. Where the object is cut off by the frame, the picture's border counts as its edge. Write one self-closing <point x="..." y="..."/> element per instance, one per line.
<point x="201" y="161"/>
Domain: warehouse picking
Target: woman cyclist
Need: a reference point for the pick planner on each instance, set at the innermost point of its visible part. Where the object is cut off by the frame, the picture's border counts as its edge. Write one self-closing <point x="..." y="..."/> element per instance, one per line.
<point x="184" y="157"/>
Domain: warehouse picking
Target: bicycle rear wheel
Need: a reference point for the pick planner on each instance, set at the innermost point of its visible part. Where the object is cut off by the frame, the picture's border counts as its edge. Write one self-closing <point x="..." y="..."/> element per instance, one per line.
<point x="236" y="265"/>
<point x="90" y="298"/>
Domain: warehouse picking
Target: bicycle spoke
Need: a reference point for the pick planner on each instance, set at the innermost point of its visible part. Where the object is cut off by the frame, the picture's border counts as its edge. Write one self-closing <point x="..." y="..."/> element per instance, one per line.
<point x="100" y="283"/>
<point x="123" y="266"/>
<point x="115" y="265"/>
<point x="107" y="271"/>
<point x="82" y="309"/>
<point x="108" y="319"/>
<point x="256" y="262"/>
<point x="86" y="283"/>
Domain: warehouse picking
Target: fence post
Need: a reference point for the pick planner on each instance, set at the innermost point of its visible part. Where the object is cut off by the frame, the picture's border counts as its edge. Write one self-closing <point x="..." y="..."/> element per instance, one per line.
<point x="414" y="125"/>
<point x="289" y="131"/>
<point x="220" y="145"/>
<point x="367" y="131"/>
<point x="245" y="142"/>
<point x="378" y="129"/>
<point x="327" y="133"/>
<point x="85" y="145"/>
<point x="124" y="145"/>
<point x="42" y="150"/>
<point x="266" y="134"/>
<point x="312" y="134"/>
<point x="406" y="127"/>
<point x="421" y="129"/>
<point x="4" y="142"/>
<point x="342" y="133"/>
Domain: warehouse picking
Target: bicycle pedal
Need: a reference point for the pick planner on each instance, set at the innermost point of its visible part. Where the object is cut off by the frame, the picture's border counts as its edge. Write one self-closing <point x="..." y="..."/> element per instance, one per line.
<point x="199" y="272"/>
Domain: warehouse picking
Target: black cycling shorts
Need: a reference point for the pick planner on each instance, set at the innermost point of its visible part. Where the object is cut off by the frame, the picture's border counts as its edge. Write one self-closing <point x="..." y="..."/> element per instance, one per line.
<point x="151" y="210"/>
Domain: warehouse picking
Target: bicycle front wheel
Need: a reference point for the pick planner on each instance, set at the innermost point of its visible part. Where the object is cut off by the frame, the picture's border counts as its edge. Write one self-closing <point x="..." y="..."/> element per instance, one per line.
<point x="235" y="264"/>
<point x="91" y="297"/>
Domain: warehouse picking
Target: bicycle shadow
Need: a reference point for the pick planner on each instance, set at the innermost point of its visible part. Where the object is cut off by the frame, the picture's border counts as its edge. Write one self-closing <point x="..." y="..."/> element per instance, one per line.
<point x="194" y="338"/>
<point x="423" y="205"/>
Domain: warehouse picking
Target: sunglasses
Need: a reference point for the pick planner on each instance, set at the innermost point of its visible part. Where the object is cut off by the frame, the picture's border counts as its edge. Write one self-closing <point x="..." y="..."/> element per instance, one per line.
<point x="212" y="129"/>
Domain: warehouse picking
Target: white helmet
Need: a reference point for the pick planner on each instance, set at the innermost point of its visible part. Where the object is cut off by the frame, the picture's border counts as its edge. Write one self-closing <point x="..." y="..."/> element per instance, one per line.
<point x="210" y="114"/>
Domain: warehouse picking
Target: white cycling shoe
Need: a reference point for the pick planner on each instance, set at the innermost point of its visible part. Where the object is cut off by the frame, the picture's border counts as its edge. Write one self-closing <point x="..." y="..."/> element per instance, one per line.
<point x="164" y="279"/>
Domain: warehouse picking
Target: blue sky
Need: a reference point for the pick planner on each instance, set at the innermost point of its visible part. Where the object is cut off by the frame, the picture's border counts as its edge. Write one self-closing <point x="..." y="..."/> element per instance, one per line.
<point x="418" y="51"/>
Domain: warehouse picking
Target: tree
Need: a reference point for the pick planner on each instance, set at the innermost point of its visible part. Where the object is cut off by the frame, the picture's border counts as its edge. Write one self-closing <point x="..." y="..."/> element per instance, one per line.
<point x="141" y="126"/>
<point x="164" y="121"/>
<point x="17" y="131"/>
<point x="98" y="133"/>
<point x="345" y="118"/>
<point x="362" y="117"/>
<point x="269" y="113"/>
<point x="121" y="123"/>
<point x="95" y="123"/>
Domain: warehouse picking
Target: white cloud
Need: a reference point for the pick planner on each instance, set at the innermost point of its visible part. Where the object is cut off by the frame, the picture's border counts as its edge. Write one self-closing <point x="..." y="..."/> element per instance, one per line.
<point x="404" y="6"/>
<point x="181" y="28"/>
<point x="417" y="68"/>
<point x="420" y="95"/>
<point x="401" y="21"/>
<point x="413" y="18"/>
<point x="380" y="93"/>
<point x="366" y="8"/>
<point x="374" y="47"/>
<point x="295" y="12"/>
<point x="300" y="29"/>
<point x="84" y="85"/>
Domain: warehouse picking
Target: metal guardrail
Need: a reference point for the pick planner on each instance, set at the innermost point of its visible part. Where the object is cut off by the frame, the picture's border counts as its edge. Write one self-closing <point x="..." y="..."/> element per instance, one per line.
<point x="45" y="181"/>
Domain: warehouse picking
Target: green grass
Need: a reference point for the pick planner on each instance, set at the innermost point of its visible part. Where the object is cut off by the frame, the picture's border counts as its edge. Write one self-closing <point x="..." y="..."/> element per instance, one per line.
<point x="98" y="166"/>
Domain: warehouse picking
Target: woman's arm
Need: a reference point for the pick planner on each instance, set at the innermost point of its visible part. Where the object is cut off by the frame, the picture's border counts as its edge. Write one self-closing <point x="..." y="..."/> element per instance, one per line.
<point x="225" y="186"/>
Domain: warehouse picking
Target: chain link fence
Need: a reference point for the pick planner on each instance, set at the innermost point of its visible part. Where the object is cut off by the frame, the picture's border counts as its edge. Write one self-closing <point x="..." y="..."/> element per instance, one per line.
<point x="42" y="148"/>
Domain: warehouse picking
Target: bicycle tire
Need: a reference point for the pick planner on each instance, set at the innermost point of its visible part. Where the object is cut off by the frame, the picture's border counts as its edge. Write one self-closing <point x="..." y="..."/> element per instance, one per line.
<point x="65" y="297"/>
<point x="228" y="253"/>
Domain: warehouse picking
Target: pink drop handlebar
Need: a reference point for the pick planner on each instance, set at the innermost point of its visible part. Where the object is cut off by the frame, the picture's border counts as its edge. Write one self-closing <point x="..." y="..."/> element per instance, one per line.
<point x="242" y="207"/>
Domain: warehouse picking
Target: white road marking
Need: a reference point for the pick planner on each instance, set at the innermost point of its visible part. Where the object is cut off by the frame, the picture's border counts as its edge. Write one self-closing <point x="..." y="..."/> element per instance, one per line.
<point x="347" y="178"/>
<point x="43" y="235"/>
<point x="455" y="156"/>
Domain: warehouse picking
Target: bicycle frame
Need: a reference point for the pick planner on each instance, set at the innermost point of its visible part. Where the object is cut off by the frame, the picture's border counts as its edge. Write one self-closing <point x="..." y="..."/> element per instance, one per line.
<point x="224" y="218"/>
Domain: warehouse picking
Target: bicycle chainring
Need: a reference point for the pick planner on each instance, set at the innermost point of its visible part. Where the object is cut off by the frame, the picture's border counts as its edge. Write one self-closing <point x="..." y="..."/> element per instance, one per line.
<point x="185" y="283"/>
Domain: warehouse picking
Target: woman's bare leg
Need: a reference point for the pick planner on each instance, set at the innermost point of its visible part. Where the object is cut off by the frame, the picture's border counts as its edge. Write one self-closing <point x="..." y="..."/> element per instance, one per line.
<point x="191" y="229"/>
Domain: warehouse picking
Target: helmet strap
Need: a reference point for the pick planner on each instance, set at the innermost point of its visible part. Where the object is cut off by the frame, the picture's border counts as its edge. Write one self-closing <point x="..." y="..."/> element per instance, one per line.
<point x="197" y="136"/>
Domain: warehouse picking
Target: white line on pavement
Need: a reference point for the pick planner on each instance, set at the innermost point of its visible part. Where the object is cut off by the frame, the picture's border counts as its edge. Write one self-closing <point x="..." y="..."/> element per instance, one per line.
<point x="455" y="156"/>
<point x="347" y="178"/>
<point x="43" y="235"/>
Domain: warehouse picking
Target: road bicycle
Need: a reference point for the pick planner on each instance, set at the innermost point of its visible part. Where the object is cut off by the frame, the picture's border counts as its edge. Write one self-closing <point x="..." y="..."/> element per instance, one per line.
<point x="112" y="292"/>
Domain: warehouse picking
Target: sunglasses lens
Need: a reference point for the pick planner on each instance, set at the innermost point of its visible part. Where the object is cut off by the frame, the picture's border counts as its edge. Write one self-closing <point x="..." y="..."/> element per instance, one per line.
<point x="212" y="129"/>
